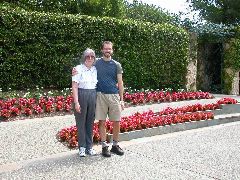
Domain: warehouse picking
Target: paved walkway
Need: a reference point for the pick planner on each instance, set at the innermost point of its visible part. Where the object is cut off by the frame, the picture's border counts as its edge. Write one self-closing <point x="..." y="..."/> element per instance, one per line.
<point x="202" y="154"/>
<point x="29" y="151"/>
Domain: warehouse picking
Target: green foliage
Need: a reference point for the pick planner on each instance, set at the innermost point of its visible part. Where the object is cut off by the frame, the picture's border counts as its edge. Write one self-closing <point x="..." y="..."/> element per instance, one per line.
<point x="228" y="80"/>
<point x="231" y="61"/>
<point x="232" y="56"/>
<point x="209" y="32"/>
<point x="63" y="6"/>
<point x="149" y="13"/>
<point x="111" y="8"/>
<point x="217" y="21"/>
<point x="218" y="11"/>
<point x="41" y="49"/>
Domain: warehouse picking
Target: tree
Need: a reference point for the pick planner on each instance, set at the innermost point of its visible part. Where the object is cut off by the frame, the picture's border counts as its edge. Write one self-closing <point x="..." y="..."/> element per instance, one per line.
<point x="111" y="8"/>
<point x="55" y="6"/>
<point x="218" y="11"/>
<point x="150" y="13"/>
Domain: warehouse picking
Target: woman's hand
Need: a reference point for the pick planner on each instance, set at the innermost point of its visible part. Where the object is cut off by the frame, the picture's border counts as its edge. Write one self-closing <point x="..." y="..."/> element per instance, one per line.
<point x="77" y="107"/>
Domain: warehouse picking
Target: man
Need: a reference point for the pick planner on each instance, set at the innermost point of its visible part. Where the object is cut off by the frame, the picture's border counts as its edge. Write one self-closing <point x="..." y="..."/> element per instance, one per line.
<point x="109" y="97"/>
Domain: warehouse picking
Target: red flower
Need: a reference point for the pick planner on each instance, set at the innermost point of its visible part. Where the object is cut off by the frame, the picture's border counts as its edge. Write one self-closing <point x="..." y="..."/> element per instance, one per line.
<point x="49" y="106"/>
<point x="27" y="111"/>
<point x="5" y="113"/>
<point x="37" y="109"/>
<point x="15" y="111"/>
<point x="72" y="142"/>
<point x="227" y="101"/>
<point x="59" y="106"/>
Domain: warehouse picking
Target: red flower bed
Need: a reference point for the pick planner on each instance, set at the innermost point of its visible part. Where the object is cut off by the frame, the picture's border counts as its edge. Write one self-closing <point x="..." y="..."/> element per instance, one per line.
<point x="161" y="96"/>
<point x="14" y="107"/>
<point x="140" y="121"/>
<point x="227" y="101"/>
<point x="149" y="119"/>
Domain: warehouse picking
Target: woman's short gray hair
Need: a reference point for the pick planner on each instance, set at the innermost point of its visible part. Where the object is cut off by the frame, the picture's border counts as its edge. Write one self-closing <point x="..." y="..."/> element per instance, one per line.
<point x="86" y="53"/>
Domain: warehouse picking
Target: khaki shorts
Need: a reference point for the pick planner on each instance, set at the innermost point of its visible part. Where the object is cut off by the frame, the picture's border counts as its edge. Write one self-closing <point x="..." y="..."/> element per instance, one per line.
<point x="108" y="105"/>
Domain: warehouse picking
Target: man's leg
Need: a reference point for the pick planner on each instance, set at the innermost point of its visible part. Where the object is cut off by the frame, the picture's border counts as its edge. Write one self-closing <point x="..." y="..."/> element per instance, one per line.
<point x="115" y="147"/>
<point x="101" y="115"/>
<point x="103" y="137"/>
<point x="116" y="130"/>
<point x="115" y="116"/>
<point x="102" y="130"/>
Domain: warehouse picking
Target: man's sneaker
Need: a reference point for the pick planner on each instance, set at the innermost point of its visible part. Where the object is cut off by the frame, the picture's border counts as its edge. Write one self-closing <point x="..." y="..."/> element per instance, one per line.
<point x="82" y="151"/>
<point x="91" y="152"/>
<point x="117" y="150"/>
<point x="106" y="152"/>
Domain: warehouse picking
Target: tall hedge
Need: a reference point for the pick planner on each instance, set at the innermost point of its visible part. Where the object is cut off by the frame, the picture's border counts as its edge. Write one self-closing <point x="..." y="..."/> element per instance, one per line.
<point x="41" y="49"/>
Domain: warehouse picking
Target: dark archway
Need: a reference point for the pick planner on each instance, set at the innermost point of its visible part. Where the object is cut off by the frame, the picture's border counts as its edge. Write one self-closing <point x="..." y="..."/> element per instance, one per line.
<point x="209" y="77"/>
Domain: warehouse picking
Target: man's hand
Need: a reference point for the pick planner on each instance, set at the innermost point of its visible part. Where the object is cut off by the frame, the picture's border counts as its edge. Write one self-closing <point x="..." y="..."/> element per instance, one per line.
<point x="74" y="71"/>
<point x="122" y="105"/>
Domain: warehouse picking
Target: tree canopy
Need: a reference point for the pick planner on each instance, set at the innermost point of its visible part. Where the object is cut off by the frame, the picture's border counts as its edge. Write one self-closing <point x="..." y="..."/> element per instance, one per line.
<point x="150" y="13"/>
<point x="218" y="11"/>
<point x="111" y="8"/>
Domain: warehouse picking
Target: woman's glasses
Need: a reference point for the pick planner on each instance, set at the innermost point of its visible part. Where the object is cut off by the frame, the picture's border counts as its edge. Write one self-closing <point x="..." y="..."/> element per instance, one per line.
<point x="88" y="57"/>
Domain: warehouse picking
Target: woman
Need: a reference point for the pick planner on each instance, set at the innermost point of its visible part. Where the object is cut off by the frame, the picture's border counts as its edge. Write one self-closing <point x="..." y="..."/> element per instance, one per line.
<point x="84" y="94"/>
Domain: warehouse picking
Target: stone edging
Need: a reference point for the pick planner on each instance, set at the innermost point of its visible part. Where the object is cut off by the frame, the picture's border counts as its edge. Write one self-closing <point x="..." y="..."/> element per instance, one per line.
<point x="127" y="136"/>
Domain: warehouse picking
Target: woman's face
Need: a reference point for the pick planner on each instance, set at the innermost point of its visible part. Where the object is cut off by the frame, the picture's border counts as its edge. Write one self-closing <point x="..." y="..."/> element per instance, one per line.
<point x="89" y="60"/>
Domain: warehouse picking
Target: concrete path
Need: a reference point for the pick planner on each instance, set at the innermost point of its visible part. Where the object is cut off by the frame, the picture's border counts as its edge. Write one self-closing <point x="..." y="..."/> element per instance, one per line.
<point x="202" y="154"/>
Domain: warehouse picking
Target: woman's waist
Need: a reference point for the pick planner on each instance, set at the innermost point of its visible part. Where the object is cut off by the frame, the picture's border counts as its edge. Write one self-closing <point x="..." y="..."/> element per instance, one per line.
<point x="86" y="89"/>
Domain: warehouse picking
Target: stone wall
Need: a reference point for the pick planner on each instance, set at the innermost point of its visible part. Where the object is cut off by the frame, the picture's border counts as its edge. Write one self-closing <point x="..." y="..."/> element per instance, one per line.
<point x="204" y="78"/>
<point x="206" y="70"/>
<point x="192" y="66"/>
<point x="231" y="77"/>
<point x="235" y="84"/>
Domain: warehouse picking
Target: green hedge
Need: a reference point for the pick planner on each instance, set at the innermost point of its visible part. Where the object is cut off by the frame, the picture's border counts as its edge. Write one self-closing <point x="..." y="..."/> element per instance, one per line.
<point x="40" y="49"/>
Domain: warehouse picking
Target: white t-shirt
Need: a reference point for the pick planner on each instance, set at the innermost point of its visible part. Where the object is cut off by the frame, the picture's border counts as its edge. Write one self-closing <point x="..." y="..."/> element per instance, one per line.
<point x="86" y="78"/>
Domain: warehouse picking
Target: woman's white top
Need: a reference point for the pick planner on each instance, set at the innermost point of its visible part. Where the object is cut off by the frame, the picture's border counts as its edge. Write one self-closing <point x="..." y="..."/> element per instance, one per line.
<point x="86" y="78"/>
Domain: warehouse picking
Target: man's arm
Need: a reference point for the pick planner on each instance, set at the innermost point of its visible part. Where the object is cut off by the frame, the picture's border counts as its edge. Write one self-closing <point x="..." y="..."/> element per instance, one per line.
<point x="121" y="89"/>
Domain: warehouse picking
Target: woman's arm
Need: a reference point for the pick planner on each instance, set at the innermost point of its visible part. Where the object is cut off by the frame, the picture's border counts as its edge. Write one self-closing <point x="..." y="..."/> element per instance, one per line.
<point x="75" y="96"/>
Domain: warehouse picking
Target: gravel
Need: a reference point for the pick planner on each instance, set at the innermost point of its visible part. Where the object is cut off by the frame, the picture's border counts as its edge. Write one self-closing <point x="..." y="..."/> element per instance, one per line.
<point x="32" y="138"/>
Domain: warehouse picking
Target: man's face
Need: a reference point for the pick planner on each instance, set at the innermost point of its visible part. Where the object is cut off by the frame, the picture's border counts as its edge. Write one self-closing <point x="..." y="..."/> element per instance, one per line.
<point x="107" y="50"/>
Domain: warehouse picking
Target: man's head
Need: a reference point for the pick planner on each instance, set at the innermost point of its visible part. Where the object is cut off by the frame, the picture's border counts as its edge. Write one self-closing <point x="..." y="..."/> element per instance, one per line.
<point x="107" y="49"/>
